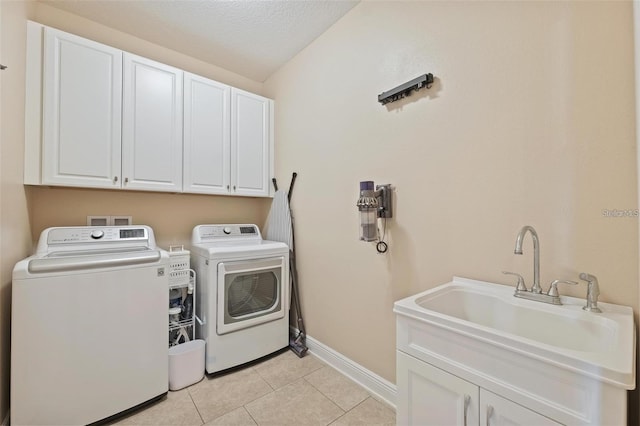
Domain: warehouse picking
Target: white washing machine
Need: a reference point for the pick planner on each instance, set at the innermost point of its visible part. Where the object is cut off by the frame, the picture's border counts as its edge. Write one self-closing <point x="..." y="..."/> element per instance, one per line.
<point x="88" y="325"/>
<point x="242" y="290"/>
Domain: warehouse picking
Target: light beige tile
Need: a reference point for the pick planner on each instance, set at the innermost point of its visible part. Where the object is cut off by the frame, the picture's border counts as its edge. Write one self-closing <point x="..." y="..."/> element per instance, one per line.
<point x="176" y="409"/>
<point x="287" y="368"/>
<point x="219" y="395"/>
<point x="237" y="417"/>
<point x="297" y="403"/>
<point x="370" y="413"/>
<point x="337" y="387"/>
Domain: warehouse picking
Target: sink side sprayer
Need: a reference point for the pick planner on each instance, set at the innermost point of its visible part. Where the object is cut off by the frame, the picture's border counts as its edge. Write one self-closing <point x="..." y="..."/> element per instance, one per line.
<point x="593" y="291"/>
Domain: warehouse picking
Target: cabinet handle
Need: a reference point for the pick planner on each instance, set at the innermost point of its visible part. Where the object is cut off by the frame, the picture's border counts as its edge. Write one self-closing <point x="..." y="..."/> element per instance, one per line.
<point x="467" y="400"/>
<point x="115" y="179"/>
<point x="227" y="187"/>
<point x="126" y="180"/>
<point x="234" y="188"/>
<point x="489" y="413"/>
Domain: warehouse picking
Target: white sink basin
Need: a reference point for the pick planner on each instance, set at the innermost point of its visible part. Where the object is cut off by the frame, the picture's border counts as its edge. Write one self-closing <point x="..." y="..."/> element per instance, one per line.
<point x="601" y="346"/>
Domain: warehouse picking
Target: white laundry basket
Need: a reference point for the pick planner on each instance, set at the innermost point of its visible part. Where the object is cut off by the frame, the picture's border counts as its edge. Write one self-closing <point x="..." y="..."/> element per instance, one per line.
<point x="186" y="364"/>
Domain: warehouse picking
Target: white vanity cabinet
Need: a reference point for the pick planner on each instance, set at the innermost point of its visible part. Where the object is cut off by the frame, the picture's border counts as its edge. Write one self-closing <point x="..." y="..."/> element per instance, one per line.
<point x="439" y="368"/>
<point x="151" y="125"/>
<point x="432" y="397"/>
<point x="228" y="141"/>
<point x="495" y="410"/>
<point x="429" y="396"/>
<point x="81" y="110"/>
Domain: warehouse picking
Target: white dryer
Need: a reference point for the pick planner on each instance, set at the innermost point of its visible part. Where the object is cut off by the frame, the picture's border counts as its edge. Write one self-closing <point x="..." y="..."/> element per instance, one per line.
<point x="242" y="303"/>
<point x="88" y="325"/>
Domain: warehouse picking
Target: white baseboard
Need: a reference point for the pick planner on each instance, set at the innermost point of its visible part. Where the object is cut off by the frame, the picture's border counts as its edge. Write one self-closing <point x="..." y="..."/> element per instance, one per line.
<point x="374" y="384"/>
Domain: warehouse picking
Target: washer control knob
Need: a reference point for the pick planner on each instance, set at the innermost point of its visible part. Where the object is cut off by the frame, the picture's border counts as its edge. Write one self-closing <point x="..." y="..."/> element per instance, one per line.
<point x="227" y="230"/>
<point x="97" y="234"/>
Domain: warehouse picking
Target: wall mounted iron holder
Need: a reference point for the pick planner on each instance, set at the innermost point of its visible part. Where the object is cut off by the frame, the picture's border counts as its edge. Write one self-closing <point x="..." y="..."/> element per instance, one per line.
<point x="405" y="89"/>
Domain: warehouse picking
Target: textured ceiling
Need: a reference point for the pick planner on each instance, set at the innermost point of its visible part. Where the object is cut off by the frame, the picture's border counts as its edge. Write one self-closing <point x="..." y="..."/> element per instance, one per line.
<point x="252" y="38"/>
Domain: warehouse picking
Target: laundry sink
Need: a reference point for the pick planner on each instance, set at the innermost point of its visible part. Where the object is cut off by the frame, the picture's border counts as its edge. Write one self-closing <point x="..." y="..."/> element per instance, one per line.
<point x="599" y="345"/>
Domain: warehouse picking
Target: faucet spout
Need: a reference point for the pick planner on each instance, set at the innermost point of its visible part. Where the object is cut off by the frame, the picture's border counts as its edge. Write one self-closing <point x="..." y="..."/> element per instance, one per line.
<point x="536" y="255"/>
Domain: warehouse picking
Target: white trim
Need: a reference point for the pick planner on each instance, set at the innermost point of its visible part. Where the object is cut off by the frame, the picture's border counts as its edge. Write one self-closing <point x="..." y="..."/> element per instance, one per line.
<point x="374" y="384"/>
<point x="636" y="31"/>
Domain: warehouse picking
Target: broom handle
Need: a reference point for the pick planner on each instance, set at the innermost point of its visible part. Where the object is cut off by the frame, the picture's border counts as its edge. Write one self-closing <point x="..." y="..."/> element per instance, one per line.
<point x="293" y="180"/>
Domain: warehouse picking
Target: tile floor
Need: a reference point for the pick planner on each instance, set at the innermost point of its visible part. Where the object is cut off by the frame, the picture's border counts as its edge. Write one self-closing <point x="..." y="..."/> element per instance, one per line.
<point x="281" y="390"/>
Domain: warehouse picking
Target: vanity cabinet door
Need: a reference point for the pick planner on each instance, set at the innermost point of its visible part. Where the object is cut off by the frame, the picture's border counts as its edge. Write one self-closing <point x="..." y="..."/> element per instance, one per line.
<point x="151" y="125"/>
<point x="430" y="396"/>
<point x="498" y="411"/>
<point x="81" y="111"/>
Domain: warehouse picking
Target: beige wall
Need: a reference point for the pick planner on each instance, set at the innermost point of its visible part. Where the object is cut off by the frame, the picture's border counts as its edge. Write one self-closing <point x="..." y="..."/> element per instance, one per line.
<point x="15" y="236"/>
<point x="172" y="216"/>
<point x="530" y="121"/>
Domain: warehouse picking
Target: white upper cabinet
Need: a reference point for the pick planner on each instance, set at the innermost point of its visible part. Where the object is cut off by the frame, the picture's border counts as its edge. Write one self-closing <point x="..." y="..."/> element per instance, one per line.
<point x="228" y="140"/>
<point x="98" y="117"/>
<point x="151" y="125"/>
<point x="82" y="89"/>
<point x="207" y="136"/>
<point x="251" y="143"/>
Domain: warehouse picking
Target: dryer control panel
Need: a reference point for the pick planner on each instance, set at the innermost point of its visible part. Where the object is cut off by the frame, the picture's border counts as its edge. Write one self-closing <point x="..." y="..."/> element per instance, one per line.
<point x="202" y="233"/>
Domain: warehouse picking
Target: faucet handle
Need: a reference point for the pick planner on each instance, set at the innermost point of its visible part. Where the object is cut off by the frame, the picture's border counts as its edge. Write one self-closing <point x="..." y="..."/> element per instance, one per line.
<point x="553" y="290"/>
<point x="520" y="286"/>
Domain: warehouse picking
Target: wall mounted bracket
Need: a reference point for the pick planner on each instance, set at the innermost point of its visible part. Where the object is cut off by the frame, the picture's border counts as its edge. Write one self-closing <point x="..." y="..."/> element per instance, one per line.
<point x="405" y="89"/>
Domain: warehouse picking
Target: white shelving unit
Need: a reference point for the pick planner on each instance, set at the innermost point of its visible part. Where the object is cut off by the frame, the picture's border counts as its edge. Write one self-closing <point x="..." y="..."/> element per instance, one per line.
<point x="181" y="277"/>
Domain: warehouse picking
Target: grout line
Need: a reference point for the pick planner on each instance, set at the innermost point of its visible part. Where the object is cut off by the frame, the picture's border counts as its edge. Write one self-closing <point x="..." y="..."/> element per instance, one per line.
<point x="249" y="413"/>
<point x="196" y="406"/>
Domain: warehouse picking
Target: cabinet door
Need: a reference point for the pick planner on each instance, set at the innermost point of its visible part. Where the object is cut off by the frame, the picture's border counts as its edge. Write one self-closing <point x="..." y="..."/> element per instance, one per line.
<point x="207" y="136"/>
<point x="430" y="396"/>
<point x="82" y="101"/>
<point x="151" y="125"/>
<point x="251" y="144"/>
<point x="498" y="411"/>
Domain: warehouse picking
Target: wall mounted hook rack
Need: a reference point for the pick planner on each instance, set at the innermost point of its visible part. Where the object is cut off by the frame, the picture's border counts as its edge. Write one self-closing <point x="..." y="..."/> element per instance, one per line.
<point x="405" y="89"/>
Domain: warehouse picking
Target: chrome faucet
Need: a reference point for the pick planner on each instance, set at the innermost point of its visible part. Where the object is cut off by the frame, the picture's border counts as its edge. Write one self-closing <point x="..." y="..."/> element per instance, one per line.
<point x="552" y="296"/>
<point x="535" y="288"/>
<point x="593" y="291"/>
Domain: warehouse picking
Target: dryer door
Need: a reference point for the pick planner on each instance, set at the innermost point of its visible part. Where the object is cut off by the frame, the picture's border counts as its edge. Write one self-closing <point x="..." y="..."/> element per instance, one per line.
<point x="252" y="292"/>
